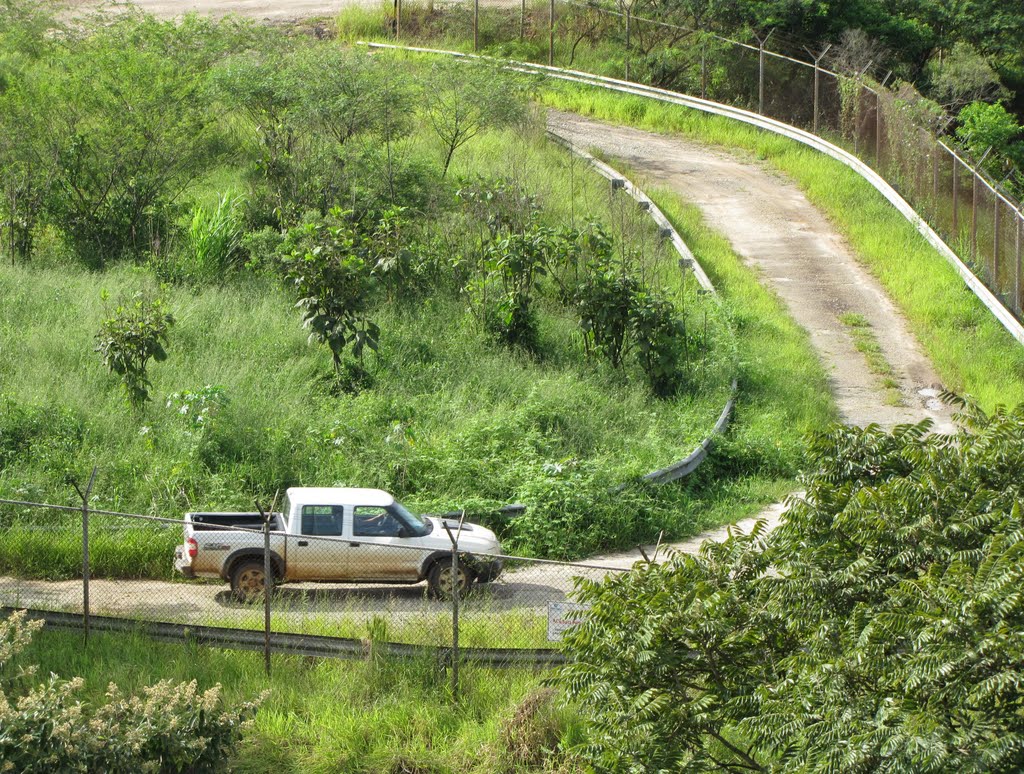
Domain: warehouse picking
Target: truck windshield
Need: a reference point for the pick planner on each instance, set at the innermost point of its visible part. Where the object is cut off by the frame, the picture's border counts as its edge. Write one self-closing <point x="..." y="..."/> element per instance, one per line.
<point x="418" y="527"/>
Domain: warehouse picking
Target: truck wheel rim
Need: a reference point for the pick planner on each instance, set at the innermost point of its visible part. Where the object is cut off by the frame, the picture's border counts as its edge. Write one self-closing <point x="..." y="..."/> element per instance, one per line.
<point x="250" y="582"/>
<point x="445" y="579"/>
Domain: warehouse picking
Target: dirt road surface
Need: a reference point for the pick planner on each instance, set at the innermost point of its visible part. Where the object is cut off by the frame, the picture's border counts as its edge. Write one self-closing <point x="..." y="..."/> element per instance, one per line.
<point x="271" y="10"/>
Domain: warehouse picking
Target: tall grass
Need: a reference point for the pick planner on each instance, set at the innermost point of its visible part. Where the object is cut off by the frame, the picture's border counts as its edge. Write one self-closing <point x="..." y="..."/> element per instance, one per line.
<point x="367" y="716"/>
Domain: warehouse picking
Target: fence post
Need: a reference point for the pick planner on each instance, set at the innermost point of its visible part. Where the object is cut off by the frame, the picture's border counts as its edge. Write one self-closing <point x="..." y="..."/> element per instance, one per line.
<point x="1017" y="272"/>
<point x="551" y="34"/>
<point x="817" y="83"/>
<point x="398" y="19"/>
<point x="266" y="585"/>
<point x="703" y="66"/>
<point x="628" y="20"/>
<point x="85" y="549"/>
<point x="455" y="603"/>
<point x="995" y="243"/>
<point x="956" y="198"/>
<point x="974" y="215"/>
<point x="878" y="130"/>
<point x="522" y="20"/>
<point x="476" y="25"/>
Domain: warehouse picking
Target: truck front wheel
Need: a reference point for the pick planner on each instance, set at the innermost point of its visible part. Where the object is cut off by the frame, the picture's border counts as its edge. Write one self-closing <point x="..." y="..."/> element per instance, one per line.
<point x="247" y="580"/>
<point x="439" y="579"/>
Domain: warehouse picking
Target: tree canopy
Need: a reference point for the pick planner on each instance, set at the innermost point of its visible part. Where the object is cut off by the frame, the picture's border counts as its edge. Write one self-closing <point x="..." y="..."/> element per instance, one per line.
<point x="877" y="629"/>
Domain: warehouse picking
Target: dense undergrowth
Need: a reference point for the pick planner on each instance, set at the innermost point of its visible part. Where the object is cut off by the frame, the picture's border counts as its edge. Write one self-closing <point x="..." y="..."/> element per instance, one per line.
<point x="495" y="325"/>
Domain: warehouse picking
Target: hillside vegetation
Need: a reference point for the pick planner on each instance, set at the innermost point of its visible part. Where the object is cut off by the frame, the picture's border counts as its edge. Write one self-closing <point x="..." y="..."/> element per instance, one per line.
<point x="238" y="261"/>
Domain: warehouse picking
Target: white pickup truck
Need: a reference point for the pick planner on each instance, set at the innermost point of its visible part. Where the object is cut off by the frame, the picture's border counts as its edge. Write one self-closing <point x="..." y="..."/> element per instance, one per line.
<point x="335" y="535"/>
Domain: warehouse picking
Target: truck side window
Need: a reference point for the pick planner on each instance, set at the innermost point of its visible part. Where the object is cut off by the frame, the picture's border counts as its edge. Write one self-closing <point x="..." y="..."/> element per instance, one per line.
<point x="324" y="520"/>
<point x="373" y="521"/>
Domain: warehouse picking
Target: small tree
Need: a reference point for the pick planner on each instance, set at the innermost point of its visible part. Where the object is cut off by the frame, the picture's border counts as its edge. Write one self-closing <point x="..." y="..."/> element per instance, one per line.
<point x="325" y="259"/>
<point x="127" y="130"/>
<point x="876" y="629"/>
<point x="984" y="127"/>
<point x="464" y="99"/>
<point x="133" y="335"/>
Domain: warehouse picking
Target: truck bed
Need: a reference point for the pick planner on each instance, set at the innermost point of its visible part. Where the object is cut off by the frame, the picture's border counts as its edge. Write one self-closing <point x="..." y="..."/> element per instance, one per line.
<point x="202" y="522"/>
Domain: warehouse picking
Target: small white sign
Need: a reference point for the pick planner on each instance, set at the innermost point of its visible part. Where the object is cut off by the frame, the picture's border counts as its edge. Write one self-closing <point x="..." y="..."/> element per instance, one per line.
<point x="563" y="616"/>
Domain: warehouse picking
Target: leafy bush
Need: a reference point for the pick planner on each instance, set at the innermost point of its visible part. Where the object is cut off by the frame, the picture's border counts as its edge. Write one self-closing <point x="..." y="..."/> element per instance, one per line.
<point x="575" y="509"/>
<point x="873" y="630"/>
<point x="327" y="263"/>
<point x="169" y="728"/>
<point x="133" y="335"/>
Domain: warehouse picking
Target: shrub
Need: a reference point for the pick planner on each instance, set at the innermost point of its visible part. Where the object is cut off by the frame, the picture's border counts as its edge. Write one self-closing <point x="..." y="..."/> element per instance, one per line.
<point x="874" y="629"/>
<point x="169" y="728"/>
<point x="132" y="336"/>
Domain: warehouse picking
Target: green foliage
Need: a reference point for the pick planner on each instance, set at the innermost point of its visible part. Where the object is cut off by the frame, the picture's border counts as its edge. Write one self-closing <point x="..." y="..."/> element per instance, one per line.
<point x="961" y="76"/>
<point x="169" y="728"/>
<point x="135" y="333"/>
<point x="327" y="264"/>
<point x="986" y="128"/>
<point x="660" y="337"/>
<point x="46" y="435"/>
<point x="605" y="300"/>
<point x="463" y="99"/>
<point x="214" y="239"/>
<point x="127" y="131"/>
<point x="573" y="498"/>
<point x="322" y="716"/>
<point x="617" y="314"/>
<point x="872" y="629"/>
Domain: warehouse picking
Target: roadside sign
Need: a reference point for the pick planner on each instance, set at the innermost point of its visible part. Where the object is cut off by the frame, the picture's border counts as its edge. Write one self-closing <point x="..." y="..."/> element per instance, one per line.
<point x="563" y="616"/>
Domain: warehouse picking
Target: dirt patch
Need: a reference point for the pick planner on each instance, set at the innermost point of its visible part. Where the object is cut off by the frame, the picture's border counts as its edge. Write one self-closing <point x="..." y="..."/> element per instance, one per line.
<point x="271" y="10"/>
<point x="797" y="253"/>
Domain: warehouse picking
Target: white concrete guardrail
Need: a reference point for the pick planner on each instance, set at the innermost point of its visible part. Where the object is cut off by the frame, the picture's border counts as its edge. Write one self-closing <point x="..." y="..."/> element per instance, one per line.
<point x="687" y="260"/>
<point x="986" y="296"/>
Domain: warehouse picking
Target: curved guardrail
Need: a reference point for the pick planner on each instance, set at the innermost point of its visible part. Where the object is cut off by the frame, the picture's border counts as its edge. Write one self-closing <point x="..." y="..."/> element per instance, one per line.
<point x="986" y="296"/>
<point x="693" y="460"/>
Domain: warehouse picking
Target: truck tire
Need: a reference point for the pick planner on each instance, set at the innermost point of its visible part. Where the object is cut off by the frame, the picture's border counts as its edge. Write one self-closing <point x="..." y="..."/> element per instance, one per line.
<point x="439" y="579"/>
<point x="247" y="580"/>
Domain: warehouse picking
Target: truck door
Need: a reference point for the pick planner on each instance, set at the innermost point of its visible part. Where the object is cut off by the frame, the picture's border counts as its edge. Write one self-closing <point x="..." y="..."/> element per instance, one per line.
<point x="384" y="553"/>
<point x="313" y="559"/>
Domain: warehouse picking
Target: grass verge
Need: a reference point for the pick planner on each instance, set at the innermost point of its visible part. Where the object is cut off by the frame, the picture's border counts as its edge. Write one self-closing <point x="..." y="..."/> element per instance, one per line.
<point x="338" y="716"/>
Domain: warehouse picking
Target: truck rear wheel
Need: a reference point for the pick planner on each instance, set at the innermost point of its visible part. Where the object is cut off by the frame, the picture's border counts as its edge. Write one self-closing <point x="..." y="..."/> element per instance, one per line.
<point x="439" y="580"/>
<point x="247" y="580"/>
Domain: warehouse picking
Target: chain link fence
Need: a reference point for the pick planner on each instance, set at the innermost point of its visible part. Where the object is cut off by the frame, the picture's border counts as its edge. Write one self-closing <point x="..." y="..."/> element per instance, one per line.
<point x="355" y="576"/>
<point x="890" y="129"/>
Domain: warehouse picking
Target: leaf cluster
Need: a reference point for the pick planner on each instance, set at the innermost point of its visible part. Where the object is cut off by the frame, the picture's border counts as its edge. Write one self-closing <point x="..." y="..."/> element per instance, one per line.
<point x="169" y="728"/>
<point x="134" y="333"/>
<point x="877" y="629"/>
